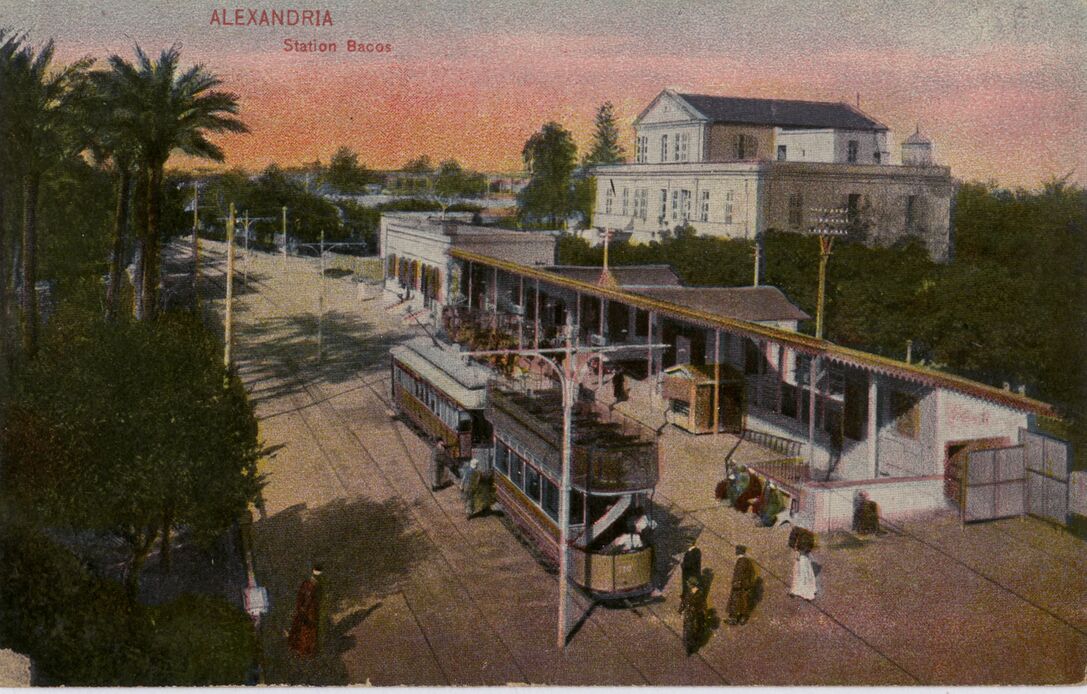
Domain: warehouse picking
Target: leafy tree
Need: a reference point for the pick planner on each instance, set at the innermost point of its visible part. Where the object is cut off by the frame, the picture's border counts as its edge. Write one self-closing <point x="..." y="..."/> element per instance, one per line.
<point x="41" y="116"/>
<point x="167" y="109"/>
<point x="419" y="165"/>
<point x="550" y="157"/>
<point x="345" y="174"/>
<point x="453" y="182"/>
<point x="84" y="630"/>
<point x="126" y="428"/>
<point x="605" y="147"/>
<point x="201" y="641"/>
<point x="79" y="629"/>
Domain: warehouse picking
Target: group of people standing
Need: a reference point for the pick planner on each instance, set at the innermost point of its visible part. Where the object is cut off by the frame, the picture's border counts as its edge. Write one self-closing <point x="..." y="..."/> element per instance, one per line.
<point x="745" y="492"/>
<point x="744" y="589"/>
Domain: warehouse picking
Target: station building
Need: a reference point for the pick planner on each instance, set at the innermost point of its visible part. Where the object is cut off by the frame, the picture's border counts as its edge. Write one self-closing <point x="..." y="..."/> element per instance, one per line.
<point x="831" y="422"/>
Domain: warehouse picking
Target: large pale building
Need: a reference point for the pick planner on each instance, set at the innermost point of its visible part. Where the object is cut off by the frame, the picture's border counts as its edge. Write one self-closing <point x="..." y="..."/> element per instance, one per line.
<point x="736" y="167"/>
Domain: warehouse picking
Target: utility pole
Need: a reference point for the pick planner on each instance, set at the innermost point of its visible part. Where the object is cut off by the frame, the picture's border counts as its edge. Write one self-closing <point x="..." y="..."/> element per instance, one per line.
<point x="245" y="270"/>
<point x="758" y="259"/>
<point x="321" y="301"/>
<point x="229" y="332"/>
<point x="568" y="395"/>
<point x="284" y="237"/>
<point x="195" y="246"/>
<point x="829" y="223"/>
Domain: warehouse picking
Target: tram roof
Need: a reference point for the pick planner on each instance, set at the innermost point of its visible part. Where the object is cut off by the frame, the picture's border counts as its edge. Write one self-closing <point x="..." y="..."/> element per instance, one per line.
<point x="446" y="369"/>
<point x="793" y="340"/>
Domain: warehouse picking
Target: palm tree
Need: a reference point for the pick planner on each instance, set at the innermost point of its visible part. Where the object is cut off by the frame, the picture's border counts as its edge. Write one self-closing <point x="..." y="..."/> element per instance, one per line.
<point x="10" y="44"/>
<point x="113" y="146"/>
<point x="41" y="105"/>
<point x="168" y="110"/>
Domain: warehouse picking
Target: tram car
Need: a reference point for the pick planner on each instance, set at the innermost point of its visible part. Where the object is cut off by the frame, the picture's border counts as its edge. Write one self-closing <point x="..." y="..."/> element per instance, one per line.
<point x="442" y="394"/>
<point x="614" y="471"/>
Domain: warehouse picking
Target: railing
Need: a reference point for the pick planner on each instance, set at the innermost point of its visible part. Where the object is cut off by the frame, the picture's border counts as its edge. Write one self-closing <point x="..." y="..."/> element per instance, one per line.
<point x="785" y="470"/>
<point x="789" y="448"/>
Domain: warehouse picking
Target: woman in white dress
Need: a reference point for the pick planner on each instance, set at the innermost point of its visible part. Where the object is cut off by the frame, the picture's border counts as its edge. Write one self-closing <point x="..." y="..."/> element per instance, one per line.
<point x="803" y="585"/>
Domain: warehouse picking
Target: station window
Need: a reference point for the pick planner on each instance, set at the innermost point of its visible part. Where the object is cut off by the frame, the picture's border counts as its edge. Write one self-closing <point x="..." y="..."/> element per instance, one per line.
<point x="906" y="412"/>
<point x="851" y="151"/>
<point x="796" y="209"/>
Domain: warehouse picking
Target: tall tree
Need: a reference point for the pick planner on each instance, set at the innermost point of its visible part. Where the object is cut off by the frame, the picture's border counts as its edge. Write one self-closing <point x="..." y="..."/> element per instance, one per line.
<point x="10" y="44"/>
<point x="550" y="157"/>
<point x="115" y="147"/>
<point x="345" y="174"/>
<point x="169" y="109"/>
<point x="605" y="148"/>
<point x="41" y="102"/>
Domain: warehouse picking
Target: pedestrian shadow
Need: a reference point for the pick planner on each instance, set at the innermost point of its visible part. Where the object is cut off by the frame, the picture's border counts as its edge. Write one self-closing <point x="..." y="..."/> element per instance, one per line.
<point x="712" y="621"/>
<point x="365" y="548"/>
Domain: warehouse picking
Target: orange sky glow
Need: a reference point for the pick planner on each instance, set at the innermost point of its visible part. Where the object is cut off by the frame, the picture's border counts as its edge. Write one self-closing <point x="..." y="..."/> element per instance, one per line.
<point x="999" y="87"/>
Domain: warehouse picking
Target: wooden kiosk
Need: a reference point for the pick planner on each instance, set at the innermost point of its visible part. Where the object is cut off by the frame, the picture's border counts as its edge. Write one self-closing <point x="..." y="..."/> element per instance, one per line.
<point x="689" y="391"/>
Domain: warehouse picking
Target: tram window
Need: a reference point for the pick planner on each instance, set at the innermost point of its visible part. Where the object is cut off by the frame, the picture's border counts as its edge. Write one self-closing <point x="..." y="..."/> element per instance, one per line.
<point x="577" y="508"/>
<point x="532" y="483"/>
<point x="551" y="499"/>
<point x="517" y="475"/>
<point x="502" y="458"/>
<point x="465" y="422"/>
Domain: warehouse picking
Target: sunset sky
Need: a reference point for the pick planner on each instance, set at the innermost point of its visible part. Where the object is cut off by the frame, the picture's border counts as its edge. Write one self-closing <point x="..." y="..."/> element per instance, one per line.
<point x="1000" y="87"/>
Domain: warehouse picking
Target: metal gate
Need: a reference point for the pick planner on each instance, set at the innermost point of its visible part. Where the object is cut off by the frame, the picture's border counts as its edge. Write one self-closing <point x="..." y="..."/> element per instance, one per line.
<point x="1046" y="465"/>
<point x="994" y="484"/>
<point x="1032" y="477"/>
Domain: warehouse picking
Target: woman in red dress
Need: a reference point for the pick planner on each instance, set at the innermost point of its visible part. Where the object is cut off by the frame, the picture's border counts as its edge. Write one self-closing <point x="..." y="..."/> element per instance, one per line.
<point x="303" y="635"/>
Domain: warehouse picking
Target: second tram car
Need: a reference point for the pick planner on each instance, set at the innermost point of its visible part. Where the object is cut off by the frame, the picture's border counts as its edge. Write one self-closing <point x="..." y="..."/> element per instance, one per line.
<point x="442" y="394"/>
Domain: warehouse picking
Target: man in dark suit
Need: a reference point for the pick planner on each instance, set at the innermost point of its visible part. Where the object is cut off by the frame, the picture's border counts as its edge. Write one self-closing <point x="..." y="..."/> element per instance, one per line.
<point x="691" y="569"/>
<point x="741" y="599"/>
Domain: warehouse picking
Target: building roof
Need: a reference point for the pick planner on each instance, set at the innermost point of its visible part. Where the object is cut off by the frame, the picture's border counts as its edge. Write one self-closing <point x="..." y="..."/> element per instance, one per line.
<point x="627" y="276"/>
<point x="784" y="113"/>
<point x="794" y="340"/>
<point x="755" y="304"/>
<point x="917" y="138"/>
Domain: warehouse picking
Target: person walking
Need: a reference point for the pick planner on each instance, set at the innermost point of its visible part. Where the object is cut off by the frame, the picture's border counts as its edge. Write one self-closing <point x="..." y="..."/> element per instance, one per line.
<point x="305" y="632"/>
<point x="691" y="567"/>
<point x="439" y="466"/>
<point x="741" y="599"/>
<point x="803" y="584"/>
<point x="469" y="481"/>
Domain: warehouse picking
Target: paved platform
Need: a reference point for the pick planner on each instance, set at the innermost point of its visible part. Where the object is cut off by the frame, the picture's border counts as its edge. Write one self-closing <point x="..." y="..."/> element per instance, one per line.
<point x="420" y="596"/>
